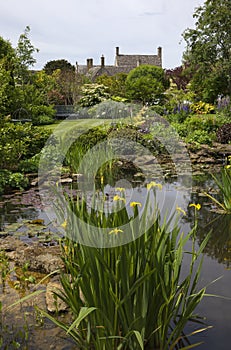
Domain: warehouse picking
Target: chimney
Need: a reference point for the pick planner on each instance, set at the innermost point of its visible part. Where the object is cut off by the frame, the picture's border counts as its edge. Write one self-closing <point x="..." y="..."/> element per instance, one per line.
<point x="159" y="54"/>
<point x="117" y="51"/>
<point x="102" y="61"/>
<point x="89" y="63"/>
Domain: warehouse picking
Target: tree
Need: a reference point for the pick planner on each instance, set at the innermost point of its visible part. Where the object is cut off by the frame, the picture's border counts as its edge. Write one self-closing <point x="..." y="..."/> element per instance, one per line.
<point x="115" y="83"/>
<point x="67" y="82"/>
<point x="61" y="64"/>
<point x="208" y="50"/>
<point x="179" y="77"/>
<point x="92" y="94"/>
<point x="20" y="88"/>
<point x="9" y="93"/>
<point x="146" y="83"/>
<point x="25" y="59"/>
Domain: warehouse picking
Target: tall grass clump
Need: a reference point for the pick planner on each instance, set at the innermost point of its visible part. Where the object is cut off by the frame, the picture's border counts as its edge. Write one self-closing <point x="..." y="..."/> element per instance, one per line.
<point x="224" y="185"/>
<point x="131" y="296"/>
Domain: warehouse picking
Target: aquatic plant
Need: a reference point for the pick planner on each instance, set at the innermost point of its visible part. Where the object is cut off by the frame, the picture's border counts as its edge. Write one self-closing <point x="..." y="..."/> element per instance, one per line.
<point x="130" y="296"/>
<point x="224" y="185"/>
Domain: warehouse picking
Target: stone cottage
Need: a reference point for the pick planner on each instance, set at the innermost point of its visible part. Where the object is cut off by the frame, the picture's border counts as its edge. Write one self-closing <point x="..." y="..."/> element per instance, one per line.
<point x="123" y="64"/>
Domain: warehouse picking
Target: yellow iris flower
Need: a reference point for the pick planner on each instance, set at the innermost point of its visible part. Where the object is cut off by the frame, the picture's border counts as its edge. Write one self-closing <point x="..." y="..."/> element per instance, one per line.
<point x="115" y="231"/>
<point x="154" y="184"/>
<point x="133" y="204"/>
<point x="196" y="206"/>
<point x="180" y="210"/>
<point x="118" y="198"/>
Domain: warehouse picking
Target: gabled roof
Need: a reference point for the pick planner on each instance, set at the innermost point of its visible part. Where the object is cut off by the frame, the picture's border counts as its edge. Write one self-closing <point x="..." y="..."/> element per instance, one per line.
<point x="136" y="60"/>
<point x="97" y="71"/>
<point x="123" y="64"/>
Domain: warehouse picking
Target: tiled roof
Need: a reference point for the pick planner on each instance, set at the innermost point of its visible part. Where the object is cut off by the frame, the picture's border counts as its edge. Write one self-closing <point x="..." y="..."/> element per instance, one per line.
<point x="108" y="70"/>
<point x="136" y="60"/>
<point x="123" y="64"/>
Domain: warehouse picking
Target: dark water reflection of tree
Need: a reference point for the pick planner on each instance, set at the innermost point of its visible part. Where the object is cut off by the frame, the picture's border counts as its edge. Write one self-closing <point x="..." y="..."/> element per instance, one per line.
<point x="219" y="224"/>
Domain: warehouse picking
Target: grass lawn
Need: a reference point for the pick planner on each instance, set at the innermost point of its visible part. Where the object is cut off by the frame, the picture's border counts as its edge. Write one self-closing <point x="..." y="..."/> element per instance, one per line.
<point x="63" y="127"/>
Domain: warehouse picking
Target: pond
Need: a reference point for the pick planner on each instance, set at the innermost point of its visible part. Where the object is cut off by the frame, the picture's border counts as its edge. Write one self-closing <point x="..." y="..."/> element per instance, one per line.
<point x="19" y="208"/>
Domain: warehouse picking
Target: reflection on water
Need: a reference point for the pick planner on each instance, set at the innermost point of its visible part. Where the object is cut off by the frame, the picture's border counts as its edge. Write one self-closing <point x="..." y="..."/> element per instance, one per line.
<point x="217" y="260"/>
<point x="27" y="206"/>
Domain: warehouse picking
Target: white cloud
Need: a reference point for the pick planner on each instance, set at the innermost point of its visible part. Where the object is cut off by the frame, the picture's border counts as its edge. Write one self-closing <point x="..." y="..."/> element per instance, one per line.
<point x="77" y="29"/>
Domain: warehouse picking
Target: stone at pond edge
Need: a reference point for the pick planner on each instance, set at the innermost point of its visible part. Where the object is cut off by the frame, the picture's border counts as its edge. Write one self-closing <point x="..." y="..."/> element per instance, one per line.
<point x="54" y="303"/>
<point x="40" y="258"/>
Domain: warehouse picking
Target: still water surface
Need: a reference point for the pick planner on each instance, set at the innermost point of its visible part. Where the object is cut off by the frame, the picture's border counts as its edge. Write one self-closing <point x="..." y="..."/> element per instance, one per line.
<point x="217" y="259"/>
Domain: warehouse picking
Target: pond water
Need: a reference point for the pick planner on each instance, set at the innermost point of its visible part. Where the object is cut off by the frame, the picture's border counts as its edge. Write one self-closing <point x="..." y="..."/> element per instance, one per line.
<point x="216" y="270"/>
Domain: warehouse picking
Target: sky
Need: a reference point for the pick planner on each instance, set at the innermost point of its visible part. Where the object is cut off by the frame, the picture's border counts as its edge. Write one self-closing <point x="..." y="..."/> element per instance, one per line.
<point x="78" y="29"/>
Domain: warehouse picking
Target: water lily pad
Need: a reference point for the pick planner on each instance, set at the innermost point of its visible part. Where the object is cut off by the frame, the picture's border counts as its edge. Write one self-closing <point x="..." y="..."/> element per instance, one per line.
<point x="36" y="222"/>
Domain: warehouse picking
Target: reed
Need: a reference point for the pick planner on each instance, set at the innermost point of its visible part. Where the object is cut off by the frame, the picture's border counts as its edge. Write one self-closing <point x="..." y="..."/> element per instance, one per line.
<point x="224" y="185"/>
<point x="132" y="296"/>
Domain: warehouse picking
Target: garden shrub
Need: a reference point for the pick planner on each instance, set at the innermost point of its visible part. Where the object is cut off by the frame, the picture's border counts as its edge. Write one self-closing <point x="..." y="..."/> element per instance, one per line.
<point x="10" y="180"/>
<point x="4" y="178"/>
<point x="200" y="136"/>
<point x="42" y="115"/>
<point x="29" y="165"/>
<point x="82" y="144"/>
<point x="224" y="133"/>
<point x="18" y="142"/>
<point x="18" y="181"/>
<point x="202" y="108"/>
<point x="93" y="94"/>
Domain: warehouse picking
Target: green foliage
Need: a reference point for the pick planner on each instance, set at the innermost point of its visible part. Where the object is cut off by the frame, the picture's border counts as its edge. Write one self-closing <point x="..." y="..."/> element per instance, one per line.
<point x="24" y="57"/>
<point x="19" y="87"/>
<point x="41" y="114"/>
<point x="132" y="296"/>
<point x="18" y="180"/>
<point x="93" y="94"/>
<point x="29" y="165"/>
<point x="224" y="185"/>
<point x="115" y="84"/>
<point x="200" y="137"/>
<point x="6" y="49"/>
<point x="146" y="84"/>
<point x="20" y="141"/>
<point x="25" y="49"/>
<point x="208" y="50"/>
<point x="178" y="102"/>
<point x="4" y="177"/>
<point x="199" y="128"/>
<point x="83" y="143"/>
<point x="9" y="180"/>
<point x="61" y="64"/>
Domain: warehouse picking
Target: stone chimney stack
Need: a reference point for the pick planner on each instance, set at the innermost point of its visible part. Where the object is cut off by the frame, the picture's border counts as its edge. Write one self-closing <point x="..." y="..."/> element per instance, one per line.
<point x="117" y="51"/>
<point x="89" y="63"/>
<point x="102" y="61"/>
<point x="159" y="54"/>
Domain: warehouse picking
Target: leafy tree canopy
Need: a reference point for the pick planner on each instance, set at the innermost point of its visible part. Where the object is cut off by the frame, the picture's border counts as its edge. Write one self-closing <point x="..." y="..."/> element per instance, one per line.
<point x="115" y="83"/>
<point x="209" y="49"/>
<point x="146" y="83"/>
<point x="5" y="48"/>
<point x="61" y="64"/>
